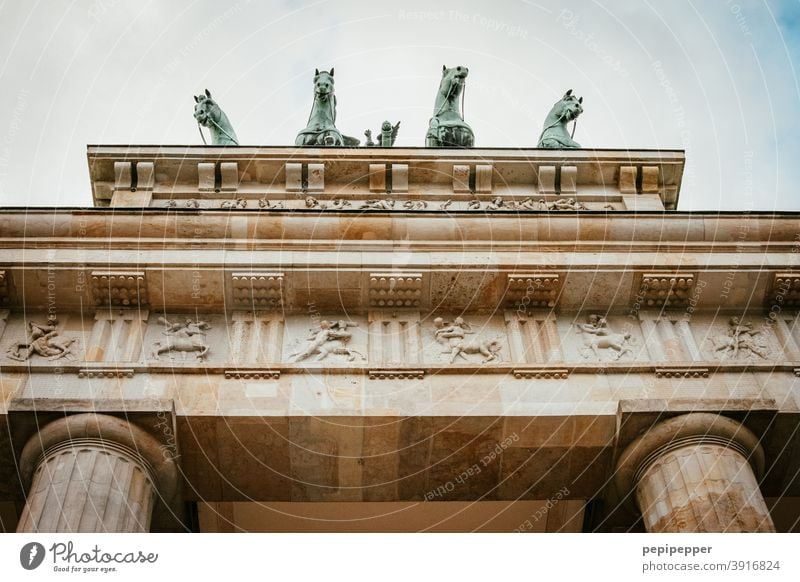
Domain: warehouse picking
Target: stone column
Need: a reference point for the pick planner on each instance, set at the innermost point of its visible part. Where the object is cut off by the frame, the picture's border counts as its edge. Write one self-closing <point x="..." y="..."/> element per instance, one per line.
<point x="696" y="473"/>
<point x="94" y="473"/>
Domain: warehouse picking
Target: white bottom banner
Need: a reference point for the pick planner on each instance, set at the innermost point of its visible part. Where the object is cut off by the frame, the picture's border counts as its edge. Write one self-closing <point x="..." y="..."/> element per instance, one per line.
<point x="398" y="557"/>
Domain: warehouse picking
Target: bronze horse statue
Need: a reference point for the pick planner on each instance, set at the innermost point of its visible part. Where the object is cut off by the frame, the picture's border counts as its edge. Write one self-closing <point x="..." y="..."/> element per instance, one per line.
<point x="321" y="127"/>
<point x="447" y="127"/>
<point x="555" y="135"/>
<point x="208" y="114"/>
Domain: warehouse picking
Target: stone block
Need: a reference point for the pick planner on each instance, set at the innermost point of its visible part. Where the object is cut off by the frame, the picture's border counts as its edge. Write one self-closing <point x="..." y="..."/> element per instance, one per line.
<point x="229" y="172"/>
<point x="122" y="175"/>
<point x="145" y="175"/>
<point x="316" y="177"/>
<point x="205" y="176"/>
<point x="460" y="178"/>
<point x="483" y="178"/>
<point x="649" y="179"/>
<point x="547" y="179"/>
<point x="126" y="198"/>
<point x="569" y="179"/>
<point x="377" y="177"/>
<point x="627" y="179"/>
<point x="399" y="177"/>
<point x="294" y="177"/>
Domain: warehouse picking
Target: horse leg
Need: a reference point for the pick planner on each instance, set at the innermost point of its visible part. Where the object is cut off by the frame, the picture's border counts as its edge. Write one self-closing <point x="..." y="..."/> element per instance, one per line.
<point x="454" y="353"/>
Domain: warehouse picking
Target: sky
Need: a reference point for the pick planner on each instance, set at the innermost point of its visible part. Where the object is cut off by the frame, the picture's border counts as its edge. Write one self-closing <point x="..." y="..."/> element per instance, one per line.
<point x="718" y="79"/>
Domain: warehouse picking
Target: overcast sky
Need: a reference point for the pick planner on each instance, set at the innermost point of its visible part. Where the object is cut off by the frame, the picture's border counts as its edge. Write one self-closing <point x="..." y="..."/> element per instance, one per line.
<point x="719" y="79"/>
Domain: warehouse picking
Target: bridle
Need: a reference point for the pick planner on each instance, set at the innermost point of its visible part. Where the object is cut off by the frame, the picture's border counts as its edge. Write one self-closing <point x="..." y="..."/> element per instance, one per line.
<point x="218" y="126"/>
<point x="447" y="100"/>
<point x="558" y="121"/>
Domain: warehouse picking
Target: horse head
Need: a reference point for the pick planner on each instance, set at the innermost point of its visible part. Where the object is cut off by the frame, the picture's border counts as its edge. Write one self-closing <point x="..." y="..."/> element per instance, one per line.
<point x="566" y="109"/>
<point x="206" y="110"/>
<point x="554" y="135"/>
<point x="452" y="83"/>
<point x="323" y="84"/>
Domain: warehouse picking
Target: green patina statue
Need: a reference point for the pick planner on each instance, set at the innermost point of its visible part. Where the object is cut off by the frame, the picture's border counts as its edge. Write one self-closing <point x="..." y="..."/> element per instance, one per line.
<point x="208" y="114"/>
<point x="385" y="138"/>
<point x="447" y="127"/>
<point x="321" y="128"/>
<point x="555" y="135"/>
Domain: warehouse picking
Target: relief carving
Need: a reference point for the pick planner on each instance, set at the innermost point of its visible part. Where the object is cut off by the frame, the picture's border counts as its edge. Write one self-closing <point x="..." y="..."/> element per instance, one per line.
<point x="740" y="341"/>
<point x="44" y="341"/>
<point x="188" y="336"/>
<point x="599" y="336"/>
<point x="328" y="338"/>
<point x="454" y="335"/>
<point x="378" y="204"/>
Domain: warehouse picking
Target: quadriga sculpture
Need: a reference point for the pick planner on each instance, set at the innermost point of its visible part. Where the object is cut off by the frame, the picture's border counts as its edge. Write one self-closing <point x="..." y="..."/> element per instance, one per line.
<point x="321" y="127"/>
<point x="447" y="127"/>
<point x="208" y="114"/>
<point x="555" y="134"/>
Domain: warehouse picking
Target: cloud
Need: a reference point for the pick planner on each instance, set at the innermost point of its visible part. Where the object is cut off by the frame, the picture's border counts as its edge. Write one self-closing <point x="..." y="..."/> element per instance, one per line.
<point x="718" y="79"/>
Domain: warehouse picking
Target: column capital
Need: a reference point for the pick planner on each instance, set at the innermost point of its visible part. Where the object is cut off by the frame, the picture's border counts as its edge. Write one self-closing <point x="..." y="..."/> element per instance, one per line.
<point x="696" y="428"/>
<point x="102" y="431"/>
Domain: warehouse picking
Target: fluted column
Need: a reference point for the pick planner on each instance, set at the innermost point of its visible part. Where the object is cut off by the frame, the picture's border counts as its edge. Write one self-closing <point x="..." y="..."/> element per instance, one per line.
<point x="94" y="473"/>
<point x="696" y="473"/>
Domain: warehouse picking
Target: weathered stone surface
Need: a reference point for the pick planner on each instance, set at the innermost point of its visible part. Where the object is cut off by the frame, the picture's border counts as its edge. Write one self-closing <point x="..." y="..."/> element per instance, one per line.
<point x="93" y="473"/>
<point x="696" y="473"/>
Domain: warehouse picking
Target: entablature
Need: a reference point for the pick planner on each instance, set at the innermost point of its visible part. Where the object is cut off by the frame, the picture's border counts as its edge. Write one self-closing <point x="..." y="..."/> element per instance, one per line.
<point x="499" y="179"/>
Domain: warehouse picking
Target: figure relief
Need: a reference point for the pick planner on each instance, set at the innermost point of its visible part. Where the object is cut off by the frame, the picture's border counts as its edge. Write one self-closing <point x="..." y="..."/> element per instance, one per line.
<point x="555" y="134"/>
<point x="566" y="204"/>
<point x="234" y="204"/>
<point x="270" y="205"/>
<point x="599" y="336"/>
<point x="44" y="341"/>
<point x="415" y="204"/>
<point x="740" y="341"/>
<point x="208" y="114"/>
<point x="312" y="202"/>
<point x="387" y="204"/>
<point x="447" y="127"/>
<point x="330" y="337"/>
<point x="186" y="337"/>
<point x="454" y="336"/>
<point x="321" y="127"/>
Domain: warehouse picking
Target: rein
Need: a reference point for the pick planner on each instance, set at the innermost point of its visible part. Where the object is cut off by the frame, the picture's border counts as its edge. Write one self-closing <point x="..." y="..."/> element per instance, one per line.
<point x="555" y="123"/>
<point x="219" y="127"/>
<point x="230" y="137"/>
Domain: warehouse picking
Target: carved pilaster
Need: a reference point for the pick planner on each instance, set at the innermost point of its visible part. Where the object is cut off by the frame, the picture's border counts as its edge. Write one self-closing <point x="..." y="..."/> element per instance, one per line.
<point x="256" y="337"/>
<point x="533" y="337"/>
<point x="4" y="293"/>
<point x="394" y="337"/>
<point x="668" y="339"/>
<point x="4" y="313"/>
<point x="786" y="329"/>
<point x="117" y="336"/>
